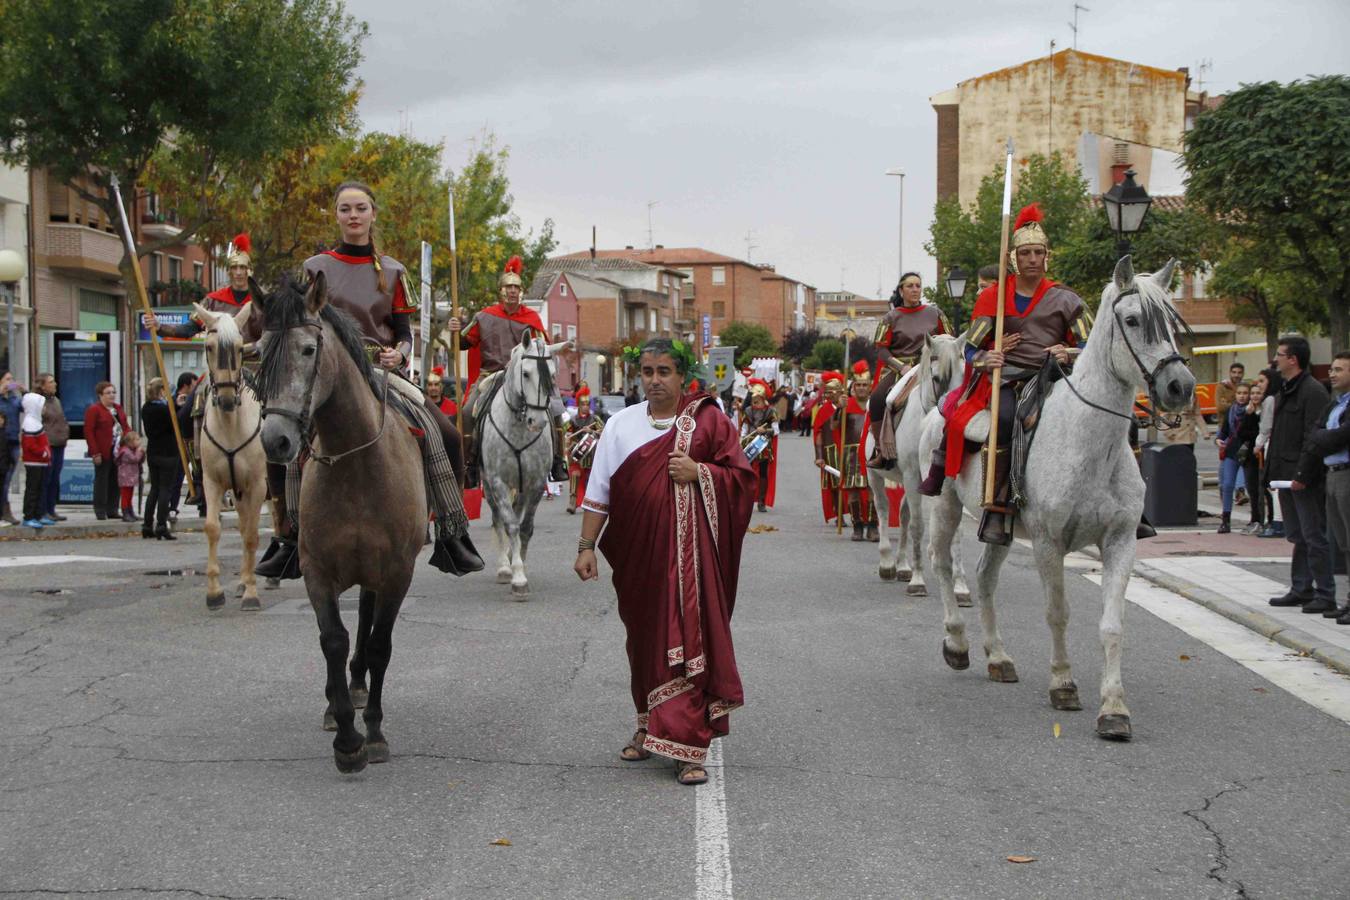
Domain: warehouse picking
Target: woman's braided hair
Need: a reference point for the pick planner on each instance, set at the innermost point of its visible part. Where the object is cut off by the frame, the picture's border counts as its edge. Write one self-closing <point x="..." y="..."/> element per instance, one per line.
<point x="380" y="283"/>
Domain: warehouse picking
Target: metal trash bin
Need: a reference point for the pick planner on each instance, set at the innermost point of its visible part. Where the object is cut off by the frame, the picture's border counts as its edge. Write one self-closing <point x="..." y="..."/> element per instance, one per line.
<point x="1169" y="484"/>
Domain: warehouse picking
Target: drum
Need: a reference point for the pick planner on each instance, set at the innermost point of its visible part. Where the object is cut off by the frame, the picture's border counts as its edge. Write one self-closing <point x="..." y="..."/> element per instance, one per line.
<point x="584" y="448"/>
<point x="757" y="446"/>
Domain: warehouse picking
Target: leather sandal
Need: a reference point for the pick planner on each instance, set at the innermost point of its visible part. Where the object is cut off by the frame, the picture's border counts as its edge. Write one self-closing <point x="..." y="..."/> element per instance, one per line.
<point x="633" y="751"/>
<point x="691" y="773"/>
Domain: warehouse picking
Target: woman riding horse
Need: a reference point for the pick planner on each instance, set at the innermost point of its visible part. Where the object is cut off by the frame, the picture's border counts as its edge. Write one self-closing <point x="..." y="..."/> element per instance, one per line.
<point x="370" y="288"/>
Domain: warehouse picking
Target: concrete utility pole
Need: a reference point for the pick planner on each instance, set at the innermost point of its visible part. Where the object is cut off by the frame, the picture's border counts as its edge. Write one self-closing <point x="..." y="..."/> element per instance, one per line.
<point x="900" y="253"/>
<point x="651" y="240"/>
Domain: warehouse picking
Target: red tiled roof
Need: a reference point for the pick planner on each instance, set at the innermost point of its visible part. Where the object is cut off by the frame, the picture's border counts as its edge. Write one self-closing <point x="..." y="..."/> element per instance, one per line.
<point x="661" y="256"/>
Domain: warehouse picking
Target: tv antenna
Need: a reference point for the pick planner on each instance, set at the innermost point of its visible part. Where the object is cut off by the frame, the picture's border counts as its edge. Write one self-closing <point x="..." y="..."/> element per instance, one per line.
<point x="651" y="241"/>
<point x="750" y="245"/>
<point x="1206" y="65"/>
<point x="1074" y="24"/>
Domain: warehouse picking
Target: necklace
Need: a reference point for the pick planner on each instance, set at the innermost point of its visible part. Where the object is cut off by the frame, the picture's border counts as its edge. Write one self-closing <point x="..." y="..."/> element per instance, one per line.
<point x="661" y="424"/>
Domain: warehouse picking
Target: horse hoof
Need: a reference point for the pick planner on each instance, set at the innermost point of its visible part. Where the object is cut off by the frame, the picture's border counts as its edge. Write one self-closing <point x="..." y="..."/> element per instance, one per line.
<point x="503" y="576"/>
<point x="964" y="601"/>
<point x="216" y="600"/>
<point x="1065" y="698"/>
<point x="956" y="659"/>
<point x="272" y="584"/>
<point x="238" y="590"/>
<point x="350" y="763"/>
<point x="904" y="574"/>
<point x="329" y="721"/>
<point x="886" y="574"/>
<point x="360" y="697"/>
<point x="520" y="592"/>
<point x="1003" y="672"/>
<point x="916" y="590"/>
<point x="377" y="752"/>
<point x="1114" y="727"/>
<point x="250" y="604"/>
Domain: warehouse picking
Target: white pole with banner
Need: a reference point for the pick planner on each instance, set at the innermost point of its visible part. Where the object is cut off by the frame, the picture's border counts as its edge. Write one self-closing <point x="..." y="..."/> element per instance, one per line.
<point x="428" y="352"/>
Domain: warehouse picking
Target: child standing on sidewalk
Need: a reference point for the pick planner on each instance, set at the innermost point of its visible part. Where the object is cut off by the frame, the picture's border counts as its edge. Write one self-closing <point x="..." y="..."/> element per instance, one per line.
<point x="37" y="456"/>
<point x="129" y="457"/>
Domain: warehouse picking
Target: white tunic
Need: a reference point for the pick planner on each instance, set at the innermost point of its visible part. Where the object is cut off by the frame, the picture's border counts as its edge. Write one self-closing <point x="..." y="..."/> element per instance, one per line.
<point x="626" y="431"/>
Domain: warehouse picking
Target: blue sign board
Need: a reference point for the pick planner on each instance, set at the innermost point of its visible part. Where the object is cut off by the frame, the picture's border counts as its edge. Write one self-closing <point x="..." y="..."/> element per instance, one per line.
<point x="80" y="364"/>
<point x="707" y="331"/>
<point x="169" y="319"/>
<point x="77" y="481"/>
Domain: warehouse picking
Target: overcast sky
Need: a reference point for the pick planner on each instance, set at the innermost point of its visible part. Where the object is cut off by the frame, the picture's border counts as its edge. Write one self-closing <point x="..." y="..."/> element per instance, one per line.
<point x="772" y="120"/>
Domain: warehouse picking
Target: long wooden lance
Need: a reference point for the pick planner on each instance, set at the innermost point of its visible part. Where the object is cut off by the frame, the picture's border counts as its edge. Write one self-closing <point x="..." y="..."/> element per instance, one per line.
<point x="454" y="311"/>
<point x="154" y="332"/>
<point x="843" y="468"/>
<point x="996" y="380"/>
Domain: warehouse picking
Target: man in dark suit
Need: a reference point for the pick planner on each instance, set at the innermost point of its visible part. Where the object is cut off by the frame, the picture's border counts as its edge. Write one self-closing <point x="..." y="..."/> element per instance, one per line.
<point x="1299" y="407"/>
<point x="1331" y="439"/>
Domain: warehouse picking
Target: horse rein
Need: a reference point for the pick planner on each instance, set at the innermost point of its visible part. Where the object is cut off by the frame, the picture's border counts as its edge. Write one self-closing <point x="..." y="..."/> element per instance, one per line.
<point x="546" y="382"/>
<point x="302" y="417"/>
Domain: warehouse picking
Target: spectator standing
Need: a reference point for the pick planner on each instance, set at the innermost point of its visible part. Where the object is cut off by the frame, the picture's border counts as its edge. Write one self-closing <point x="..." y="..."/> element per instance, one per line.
<point x="1225" y="392"/>
<point x="104" y="425"/>
<point x="11" y="404"/>
<point x="4" y="460"/>
<point x="1227" y="441"/>
<point x="162" y="457"/>
<point x="37" y="455"/>
<point x="54" y="422"/>
<point x="185" y="390"/>
<point x="1332" y="440"/>
<point x="129" y="457"/>
<point x="1301" y="406"/>
<point x="1248" y="431"/>
<point x="1271" y="383"/>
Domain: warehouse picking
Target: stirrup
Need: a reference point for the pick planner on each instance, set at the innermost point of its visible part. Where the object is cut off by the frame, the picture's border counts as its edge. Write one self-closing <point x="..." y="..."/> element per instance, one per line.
<point x="283" y="564"/>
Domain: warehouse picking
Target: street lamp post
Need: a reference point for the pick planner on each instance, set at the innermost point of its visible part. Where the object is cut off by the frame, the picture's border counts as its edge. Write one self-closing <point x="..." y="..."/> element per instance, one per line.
<point x="956" y="282"/>
<point x="900" y="253"/>
<point x="848" y="334"/>
<point x="1126" y="206"/>
<point x="12" y="268"/>
<point x="600" y="361"/>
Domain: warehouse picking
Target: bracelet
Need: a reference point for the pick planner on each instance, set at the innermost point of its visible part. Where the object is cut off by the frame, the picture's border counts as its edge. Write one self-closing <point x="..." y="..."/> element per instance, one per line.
<point x="585" y="544"/>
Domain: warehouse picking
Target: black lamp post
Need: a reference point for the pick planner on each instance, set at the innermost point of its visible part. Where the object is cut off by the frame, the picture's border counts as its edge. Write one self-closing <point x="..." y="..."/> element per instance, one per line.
<point x="956" y="282"/>
<point x="1126" y="205"/>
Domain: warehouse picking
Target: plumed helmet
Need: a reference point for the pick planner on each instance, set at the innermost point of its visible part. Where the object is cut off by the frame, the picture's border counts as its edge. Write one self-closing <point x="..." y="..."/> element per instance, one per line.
<point x="240" y="248"/>
<point x="759" y="387"/>
<point x="862" y="372"/>
<point x="511" y="274"/>
<point x="1028" y="232"/>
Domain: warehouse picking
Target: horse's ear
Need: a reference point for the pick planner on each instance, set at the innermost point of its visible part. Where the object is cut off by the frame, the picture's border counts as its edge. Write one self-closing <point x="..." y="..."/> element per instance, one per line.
<point x="525" y="337"/>
<point x="1124" y="275"/>
<point x="241" y="318"/>
<point x="316" y="297"/>
<point x="1163" y="278"/>
<point x="255" y="292"/>
<point x="928" y="343"/>
<point x="203" y="315"/>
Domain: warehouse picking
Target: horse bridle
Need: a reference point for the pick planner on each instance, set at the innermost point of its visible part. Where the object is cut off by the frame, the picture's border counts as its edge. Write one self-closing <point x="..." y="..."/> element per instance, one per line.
<point x="545" y="383"/>
<point x="302" y="417"/>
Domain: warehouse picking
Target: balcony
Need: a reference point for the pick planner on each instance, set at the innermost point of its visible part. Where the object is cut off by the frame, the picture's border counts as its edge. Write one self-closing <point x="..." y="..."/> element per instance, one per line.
<point x="81" y="250"/>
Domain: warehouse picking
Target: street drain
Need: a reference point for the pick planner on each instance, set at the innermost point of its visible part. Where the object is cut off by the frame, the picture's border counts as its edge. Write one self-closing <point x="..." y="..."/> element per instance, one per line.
<point x="178" y="573"/>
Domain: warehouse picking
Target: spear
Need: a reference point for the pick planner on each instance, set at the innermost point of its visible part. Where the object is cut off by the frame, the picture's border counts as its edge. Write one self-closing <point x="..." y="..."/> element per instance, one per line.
<point x="454" y="311"/>
<point x="154" y="333"/>
<point x="991" y="448"/>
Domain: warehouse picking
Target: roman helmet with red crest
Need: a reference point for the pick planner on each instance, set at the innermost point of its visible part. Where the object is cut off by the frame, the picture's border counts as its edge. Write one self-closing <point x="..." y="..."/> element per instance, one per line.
<point x="759" y="389"/>
<point x="511" y="273"/>
<point x="1028" y="232"/>
<point x="238" y="255"/>
<point x="862" y="372"/>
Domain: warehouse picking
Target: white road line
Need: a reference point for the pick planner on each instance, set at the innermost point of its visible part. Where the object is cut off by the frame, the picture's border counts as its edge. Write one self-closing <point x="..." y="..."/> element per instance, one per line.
<point x="1305" y="678"/>
<point x="11" y="562"/>
<point x="711" y="834"/>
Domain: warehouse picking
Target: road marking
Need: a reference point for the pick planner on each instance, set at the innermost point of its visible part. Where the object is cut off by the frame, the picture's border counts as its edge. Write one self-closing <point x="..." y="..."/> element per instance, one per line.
<point x="11" y="562"/>
<point x="711" y="834"/>
<point x="1305" y="678"/>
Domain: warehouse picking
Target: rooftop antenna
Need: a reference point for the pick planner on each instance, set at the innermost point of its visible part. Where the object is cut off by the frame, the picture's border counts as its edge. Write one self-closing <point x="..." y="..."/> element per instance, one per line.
<point x="750" y="245"/>
<point x="842" y="271"/>
<point x="651" y="242"/>
<point x="1074" y="24"/>
<point x="1206" y="65"/>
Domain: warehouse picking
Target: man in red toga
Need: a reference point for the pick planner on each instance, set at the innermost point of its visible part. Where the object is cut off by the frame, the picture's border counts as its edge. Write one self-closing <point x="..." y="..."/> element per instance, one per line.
<point x="672" y="491"/>
<point x="491" y="336"/>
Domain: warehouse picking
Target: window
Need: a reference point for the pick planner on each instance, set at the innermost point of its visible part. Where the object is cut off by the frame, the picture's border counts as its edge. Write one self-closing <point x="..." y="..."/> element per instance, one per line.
<point x="156" y="266"/>
<point x="663" y="279"/>
<point x="556" y="330"/>
<point x="562" y="289"/>
<point x="98" y="311"/>
<point x="719" y="275"/>
<point x="198" y="271"/>
<point x="665" y="323"/>
<point x="719" y="309"/>
<point x="175" y="268"/>
<point x="1198" y="284"/>
<point x="651" y="320"/>
<point x="571" y="332"/>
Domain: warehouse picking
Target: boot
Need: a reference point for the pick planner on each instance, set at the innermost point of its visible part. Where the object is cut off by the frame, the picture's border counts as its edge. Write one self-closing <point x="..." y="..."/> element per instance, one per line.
<point x="1224" y="527"/>
<point x="876" y="461"/>
<point x="872" y="534"/>
<point x="162" y="533"/>
<point x="456" y="555"/>
<point x="996" y="524"/>
<point x="8" y="515"/>
<point x="284" y="563"/>
<point x="271" y="550"/>
<point x="558" y="472"/>
<point x="931" y="486"/>
<point x="857" y="531"/>
<point x="1144" y="529"/>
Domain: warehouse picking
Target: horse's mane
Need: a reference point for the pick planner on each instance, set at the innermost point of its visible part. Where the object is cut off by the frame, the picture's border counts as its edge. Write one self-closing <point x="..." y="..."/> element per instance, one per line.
<point x="285" y="308"/>
<point x="227" y="331"/>
<point x="1160" y="317"/>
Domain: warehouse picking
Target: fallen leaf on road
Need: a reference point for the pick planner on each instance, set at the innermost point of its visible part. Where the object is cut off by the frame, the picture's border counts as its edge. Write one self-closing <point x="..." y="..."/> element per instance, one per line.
<point x="1021" y="859"/>
<point x="1259" y="690"/>
<point x="1056" y="729"/>
<point x="1184" y="658"/>
<point x="501" y="842"/>
<point x="760" y="529"/>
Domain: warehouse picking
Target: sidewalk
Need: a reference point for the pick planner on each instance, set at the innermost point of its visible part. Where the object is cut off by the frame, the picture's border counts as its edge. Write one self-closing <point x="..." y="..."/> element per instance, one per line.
<point x="81" y="523"/>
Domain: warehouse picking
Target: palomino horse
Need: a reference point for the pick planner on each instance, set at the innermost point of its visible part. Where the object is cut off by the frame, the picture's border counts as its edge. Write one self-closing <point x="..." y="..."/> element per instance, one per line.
<point x="516" y="452"/>
<point x="939" y="370"/>
<point x="363" y="505"/>
<point x="232" y="455"/>
<point x="1081" y="486"/>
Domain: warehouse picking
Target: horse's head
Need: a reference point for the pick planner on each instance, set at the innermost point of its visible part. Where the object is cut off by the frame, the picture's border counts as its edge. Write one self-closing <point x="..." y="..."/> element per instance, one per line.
<point x="292" y="378"/>
<point x="942" y="359"/>
<point x="531" y="373"/>
<point x="224" y="352"/>
<point x="1145" y="328"/>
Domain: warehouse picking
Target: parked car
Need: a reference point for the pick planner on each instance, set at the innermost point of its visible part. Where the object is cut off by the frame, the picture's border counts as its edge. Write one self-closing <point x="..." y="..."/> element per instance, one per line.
<point x="608" y="405"/>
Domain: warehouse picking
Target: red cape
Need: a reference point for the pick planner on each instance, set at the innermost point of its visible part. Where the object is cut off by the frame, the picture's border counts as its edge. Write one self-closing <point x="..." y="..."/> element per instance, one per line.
<point x="522" y="314"/>
<point x="225" y="295"/>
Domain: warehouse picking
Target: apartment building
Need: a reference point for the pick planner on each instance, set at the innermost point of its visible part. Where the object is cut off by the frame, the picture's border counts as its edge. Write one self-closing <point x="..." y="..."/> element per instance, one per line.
<point x="14" y="204"/>
<point x="840" y="311"/>
<point x="552" y="296"/>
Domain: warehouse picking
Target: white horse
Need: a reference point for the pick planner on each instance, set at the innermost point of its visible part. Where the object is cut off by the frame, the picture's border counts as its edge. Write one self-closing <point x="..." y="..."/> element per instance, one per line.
<point x="1082" y="486"/>
<point x="233" y="458"/>
<point x="939" y="370"/>
<point x="516" y="452"/>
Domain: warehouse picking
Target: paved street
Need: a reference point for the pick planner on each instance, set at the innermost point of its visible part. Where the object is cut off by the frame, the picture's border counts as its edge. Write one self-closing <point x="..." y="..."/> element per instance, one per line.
<point x="158" y="749"/>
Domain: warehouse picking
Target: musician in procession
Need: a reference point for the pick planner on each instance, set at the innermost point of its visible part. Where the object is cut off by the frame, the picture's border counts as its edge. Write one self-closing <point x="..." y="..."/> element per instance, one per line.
<point x="671" y="490"/>
<point x="840" y="425"/>
<point x="583" y="432"/>
<point x="1041" y="319"/>
<point x="900" y="340"/>
<point x="435" y="389"/>
<point x="490" y="336"/>
<point x="760" y="420"/>
<point x="370" y="287"/>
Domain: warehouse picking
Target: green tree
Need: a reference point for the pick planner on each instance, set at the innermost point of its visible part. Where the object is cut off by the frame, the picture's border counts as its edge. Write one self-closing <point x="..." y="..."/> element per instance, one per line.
<point x="1271" y="162"/>
<point x="749" y="339"/>
<point x="798" y="343"/>
<point x="827" y="354"/>
<point x="215" y="87"/>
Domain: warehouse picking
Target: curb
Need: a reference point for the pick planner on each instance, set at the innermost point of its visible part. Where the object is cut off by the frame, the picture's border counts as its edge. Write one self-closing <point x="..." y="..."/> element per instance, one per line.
<point x="109" y="529"/>
<point x="1264" y="625"/>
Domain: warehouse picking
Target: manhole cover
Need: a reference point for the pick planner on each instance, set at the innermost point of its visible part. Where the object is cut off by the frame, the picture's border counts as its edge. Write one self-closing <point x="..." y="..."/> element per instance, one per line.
<point x="179" y="573"/>
<point x="1199" y="553"/>
<point x="51" y="592"/>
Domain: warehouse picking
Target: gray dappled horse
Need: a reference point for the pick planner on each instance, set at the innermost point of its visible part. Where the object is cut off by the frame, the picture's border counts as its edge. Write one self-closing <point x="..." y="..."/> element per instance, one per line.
<point x="363" y="504"/>
<point x="939" y="370"/>
<point x="1082" y="486"/>
<point x="516" y="453"/>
